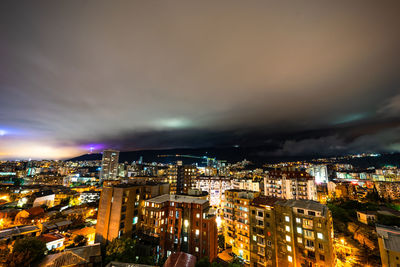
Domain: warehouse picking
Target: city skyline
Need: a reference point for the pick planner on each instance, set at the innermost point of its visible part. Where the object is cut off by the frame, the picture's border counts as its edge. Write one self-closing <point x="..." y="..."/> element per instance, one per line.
<point x="297" y="78"/>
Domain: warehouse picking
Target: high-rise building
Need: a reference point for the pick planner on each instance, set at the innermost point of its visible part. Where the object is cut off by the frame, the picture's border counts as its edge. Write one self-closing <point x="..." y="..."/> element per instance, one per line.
<point x="237" y="221"/>
<point x="290" y="233"/>
<point x="389" y="244"/>
<point x="181" y="223"/>
<point x="121" y="208"/>
<point x="290" y="185"/>
<point x="109" y="165"/>
<point x="182" y="178"/>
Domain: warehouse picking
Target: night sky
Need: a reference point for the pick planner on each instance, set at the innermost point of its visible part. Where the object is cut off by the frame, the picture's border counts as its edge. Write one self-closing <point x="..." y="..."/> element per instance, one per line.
<point x="302" y="77"/>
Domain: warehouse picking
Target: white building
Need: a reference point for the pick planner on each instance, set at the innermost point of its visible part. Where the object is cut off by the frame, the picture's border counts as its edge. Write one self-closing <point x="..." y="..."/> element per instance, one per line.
<point x="43" y="198"/>
<point x="290" y="185"/>
<point x="215" y="187"/>
<point x="319" y="172"/>
<point x="246" y="184"/>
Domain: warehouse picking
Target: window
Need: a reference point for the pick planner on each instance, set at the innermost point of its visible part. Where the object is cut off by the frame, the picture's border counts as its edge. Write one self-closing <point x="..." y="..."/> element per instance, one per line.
<point x="312" y="213"/>
<point x="288" y="239"/>
<point x="299" y="240"/>
<point x="309" y="234"/>
<point x="322" y="257"/>
<point x="310" y="243"/>
<point x="197" y="249"/>
<point x="287" y="219"/>
<point x="185" y="239"/>
<point x="253" y="212"/>
<point x="287" y="228"/>
<point x="290" y="259"/>
<point x="320" y="236"/>
<point x="197" y="231"/>
<point x="308" y="223"/>
<point x="269" y="243"/>
<point x="289" y="248"/>
<point x="298" y="220"/>
<point x="254" y="238"/>
<point x="320" y="246"/>
<point x="198" y="215"/>
<point x="260" y="214"/>
<point x="300" y="211"/>
<point x="299" y="230"/>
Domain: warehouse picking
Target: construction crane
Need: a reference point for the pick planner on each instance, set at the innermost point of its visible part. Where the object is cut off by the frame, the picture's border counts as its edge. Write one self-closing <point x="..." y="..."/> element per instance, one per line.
<point x="209" y="160"/>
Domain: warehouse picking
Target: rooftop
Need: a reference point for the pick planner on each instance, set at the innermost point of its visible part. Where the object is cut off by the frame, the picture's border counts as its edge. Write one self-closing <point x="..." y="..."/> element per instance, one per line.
<point x="180" y="259"/>
<point x="50" y="237"/>
<point x="17" y="230"/>
<point x="177" y="198"/>
<point x="390" y="236"/>
<point x="290" y="175"/>
<point x="304" y="204"/>
<point x="264" y="200"/>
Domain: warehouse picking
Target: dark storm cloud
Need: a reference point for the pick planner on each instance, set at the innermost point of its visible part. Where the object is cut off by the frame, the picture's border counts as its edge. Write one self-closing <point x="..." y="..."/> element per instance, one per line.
<point x="143" y="74"/>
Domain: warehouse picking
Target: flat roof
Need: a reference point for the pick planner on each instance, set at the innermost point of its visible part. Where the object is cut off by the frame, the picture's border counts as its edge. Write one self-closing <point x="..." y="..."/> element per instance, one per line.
<point x="177" y="198"/>
<point x="304" y="204"/>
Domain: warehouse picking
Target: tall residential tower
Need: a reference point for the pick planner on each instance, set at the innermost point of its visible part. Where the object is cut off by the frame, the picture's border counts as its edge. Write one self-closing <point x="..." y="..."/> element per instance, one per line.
<point x="109" y="165"/>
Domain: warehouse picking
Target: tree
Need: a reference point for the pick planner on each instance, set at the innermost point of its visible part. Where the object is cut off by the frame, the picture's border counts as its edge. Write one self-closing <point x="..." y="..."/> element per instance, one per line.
<point x="203" y="262"/>
<point x="26" y="251"/>
<point x="121" y="249"/>
<point x="221" y="242"/>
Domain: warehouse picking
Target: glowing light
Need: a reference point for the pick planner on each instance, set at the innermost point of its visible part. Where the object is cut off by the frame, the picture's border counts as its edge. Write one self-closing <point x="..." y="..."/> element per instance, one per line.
<point x="219" y="221"/>
<point x="2" y="132"/>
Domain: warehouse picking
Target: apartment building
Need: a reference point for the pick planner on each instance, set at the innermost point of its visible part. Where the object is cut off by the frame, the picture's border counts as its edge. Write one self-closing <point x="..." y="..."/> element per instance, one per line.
<point x="389" y="244"/>
<point x="290" y="185"/>
<point x="236" y="214"/>
<point x="120" y="208"/>
<point x="215" y="187"/>
<point x="290" y="233"/>
<point x="181" y="177"/>
<point x="181" y="223"/>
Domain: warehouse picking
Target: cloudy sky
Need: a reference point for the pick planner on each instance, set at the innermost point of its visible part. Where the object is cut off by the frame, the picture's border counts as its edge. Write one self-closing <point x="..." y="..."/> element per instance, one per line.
<point x="302" y="76"/>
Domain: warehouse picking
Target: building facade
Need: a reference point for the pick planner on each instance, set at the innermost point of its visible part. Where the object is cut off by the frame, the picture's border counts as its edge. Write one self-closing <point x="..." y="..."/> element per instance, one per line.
<point x="389" y="244"/>
<point x="236" y="214"/>
<point x="121" y="208"/>
<point x="181" y="223"/>
<point x="181" y="178"/>
<point x="109" y="165"/>
<point x="215" y="187"/>
<point x="290" y="185"/>
<point x="289" y="233"/>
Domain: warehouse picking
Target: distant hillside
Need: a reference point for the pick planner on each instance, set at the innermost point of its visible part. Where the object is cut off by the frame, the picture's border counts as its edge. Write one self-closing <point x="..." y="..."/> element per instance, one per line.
<point x="233" y="154"/>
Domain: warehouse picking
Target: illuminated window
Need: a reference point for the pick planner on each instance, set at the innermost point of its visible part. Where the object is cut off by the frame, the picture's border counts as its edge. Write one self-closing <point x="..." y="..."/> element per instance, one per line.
<point x="320" y="236"/>
<point x="287" y="228"/>
<point x="254" y="238"/>
<point x="298" y="220"/>
<point x="299" y="230"/>
<point x="197" y="231"/>
<point x="197" y="249"/>
<point x="299" y="240"/>
<point x="289" y="248"/>
<point x="198" y="215"/>
<point x="287" y="218"/>
<point x="290" y="259"/>
<point x="288" y="239"/>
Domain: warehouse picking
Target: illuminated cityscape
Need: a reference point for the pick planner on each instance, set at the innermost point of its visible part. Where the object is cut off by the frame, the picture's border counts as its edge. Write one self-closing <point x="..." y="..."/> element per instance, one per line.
<point x="200" y="133"/>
